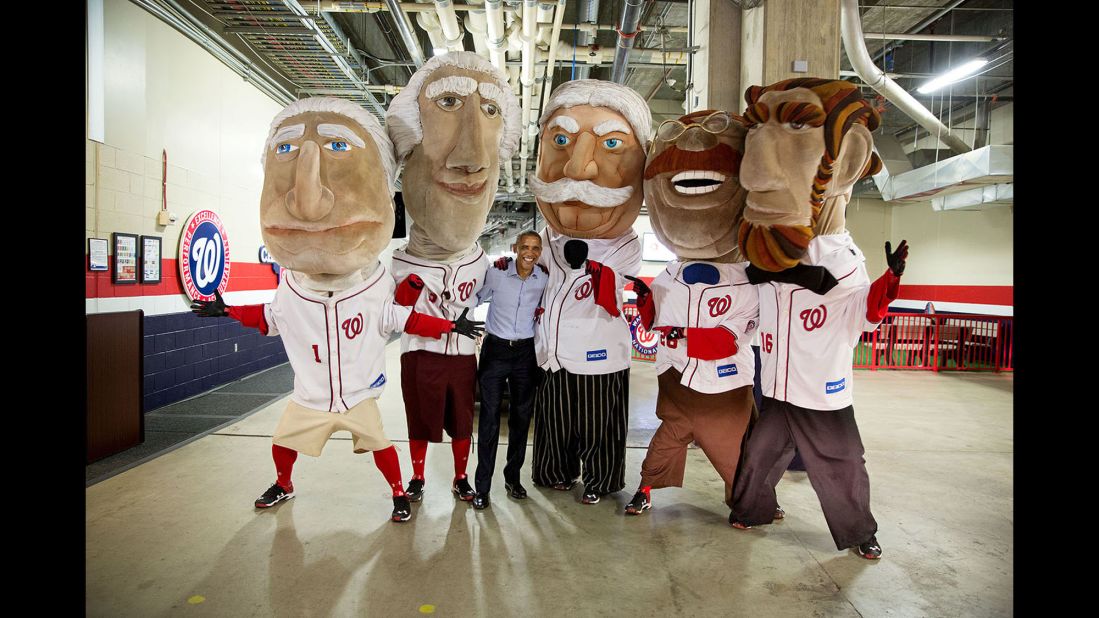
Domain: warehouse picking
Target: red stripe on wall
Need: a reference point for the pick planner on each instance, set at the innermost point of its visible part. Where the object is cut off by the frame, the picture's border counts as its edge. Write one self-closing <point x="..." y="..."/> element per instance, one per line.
<point x="243" y="276"/>
<point x="977" y="294"/>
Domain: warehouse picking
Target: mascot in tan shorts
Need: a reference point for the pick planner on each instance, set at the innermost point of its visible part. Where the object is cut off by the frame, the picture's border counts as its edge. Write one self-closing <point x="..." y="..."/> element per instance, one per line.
<point x="326" y="213"/>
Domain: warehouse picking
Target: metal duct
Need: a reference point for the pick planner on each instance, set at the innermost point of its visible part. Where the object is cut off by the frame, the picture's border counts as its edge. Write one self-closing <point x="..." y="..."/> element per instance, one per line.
<point x="855" y="46"/>
<point x="1003" y="193"/>
<point x="627" y="31"/>
<point x="990" y="165"/>
<point x="404" y="27"/>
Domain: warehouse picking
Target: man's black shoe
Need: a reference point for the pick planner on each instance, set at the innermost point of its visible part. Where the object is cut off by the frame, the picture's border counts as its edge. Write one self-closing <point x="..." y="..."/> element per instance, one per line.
<point x="402" y="509"/>
<point x="462" y="489"/>
<point x="415" y="490"/>
<point x="736" y="523"/>
<point x="870" y="550"/>
<point x="480" y="501"/>
<point x="516" y="490"/>
<point x="639" y="504"/>
<point x="273" y="496"/>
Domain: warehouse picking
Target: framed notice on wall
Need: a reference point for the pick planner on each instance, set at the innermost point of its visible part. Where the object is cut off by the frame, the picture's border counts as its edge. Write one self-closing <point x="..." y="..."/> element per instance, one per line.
<point x="97" y="253"/>
<point x="125" y="258"/>
<point x="150" y="259"/>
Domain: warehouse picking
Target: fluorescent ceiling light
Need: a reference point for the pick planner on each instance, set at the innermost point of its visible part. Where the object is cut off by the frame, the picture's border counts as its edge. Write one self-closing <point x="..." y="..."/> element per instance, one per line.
<point x="953" y="75"/>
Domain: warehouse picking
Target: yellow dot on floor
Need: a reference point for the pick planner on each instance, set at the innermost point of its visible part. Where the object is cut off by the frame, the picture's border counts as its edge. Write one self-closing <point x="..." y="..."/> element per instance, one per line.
<point x="427" y="609"/>
<point x="195" y="600"/>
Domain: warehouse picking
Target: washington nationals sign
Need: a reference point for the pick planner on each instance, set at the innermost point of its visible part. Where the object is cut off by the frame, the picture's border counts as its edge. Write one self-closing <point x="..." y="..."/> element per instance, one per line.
<point x="644" y="341"/>
<point x="203" y="256"/>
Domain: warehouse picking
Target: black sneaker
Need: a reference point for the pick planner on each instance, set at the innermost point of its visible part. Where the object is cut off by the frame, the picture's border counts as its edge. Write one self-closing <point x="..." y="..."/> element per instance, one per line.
<point x="589" y="497"/>
<point x="415" y="490"/>
<point x="639" y="504"/>
<point x="870" y="550"/>
<point x="462" y="489"/>
<point x="273" y="496"/>
<point x="402" y="509"/>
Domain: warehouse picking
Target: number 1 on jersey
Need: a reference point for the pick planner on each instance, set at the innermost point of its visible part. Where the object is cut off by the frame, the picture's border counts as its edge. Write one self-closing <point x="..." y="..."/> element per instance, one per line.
<point x="316" y="353"/>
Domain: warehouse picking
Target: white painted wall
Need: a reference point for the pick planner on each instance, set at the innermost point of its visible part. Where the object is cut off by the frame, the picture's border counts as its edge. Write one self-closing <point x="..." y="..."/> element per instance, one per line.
<point x="163" y="92"/>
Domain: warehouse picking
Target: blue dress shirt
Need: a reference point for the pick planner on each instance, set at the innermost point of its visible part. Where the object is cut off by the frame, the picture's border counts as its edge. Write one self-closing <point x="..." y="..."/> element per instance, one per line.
<point x="514" y="300"/>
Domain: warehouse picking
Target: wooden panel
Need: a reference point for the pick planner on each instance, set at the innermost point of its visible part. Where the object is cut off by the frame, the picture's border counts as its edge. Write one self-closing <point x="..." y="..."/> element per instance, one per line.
<point x="114" y="421"/>
<point x="801" y="30"/>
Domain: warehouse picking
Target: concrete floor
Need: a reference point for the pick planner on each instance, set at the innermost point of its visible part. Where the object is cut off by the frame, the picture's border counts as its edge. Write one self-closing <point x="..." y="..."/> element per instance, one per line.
<point x="179" y="535"/>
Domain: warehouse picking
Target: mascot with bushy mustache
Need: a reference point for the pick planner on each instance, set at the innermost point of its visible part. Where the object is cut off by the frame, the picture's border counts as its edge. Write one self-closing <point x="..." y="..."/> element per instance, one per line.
<point x="591" y="157"/>
<point x="809" y="141"/>
<point x="702" y="304"/>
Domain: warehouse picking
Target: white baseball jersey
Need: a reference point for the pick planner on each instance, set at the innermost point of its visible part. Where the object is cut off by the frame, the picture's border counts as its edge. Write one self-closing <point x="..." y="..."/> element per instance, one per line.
<point x="731" y="303"/>
<point x="448" y="289"/>
<point x="336" y="344"/>
<point x="807" y="340"/>
<point x="574" y="332"/>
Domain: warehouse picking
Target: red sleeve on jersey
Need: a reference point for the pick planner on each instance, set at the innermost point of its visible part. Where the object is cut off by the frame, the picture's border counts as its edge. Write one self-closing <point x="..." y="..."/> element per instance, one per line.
<point x="647" y="308"/>
<point x="882" y="292"/>
<point x="710" y="343"/>
<point x="408" y="292"/>
<point x="249" y="315"/>
<point x="606" y="293"/>
<point x="427" y="325"/>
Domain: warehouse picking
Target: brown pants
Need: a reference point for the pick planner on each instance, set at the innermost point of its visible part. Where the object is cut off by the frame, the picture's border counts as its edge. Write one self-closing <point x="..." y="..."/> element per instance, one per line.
<point x="716" y="421"/>
<point x="438" y="394"/>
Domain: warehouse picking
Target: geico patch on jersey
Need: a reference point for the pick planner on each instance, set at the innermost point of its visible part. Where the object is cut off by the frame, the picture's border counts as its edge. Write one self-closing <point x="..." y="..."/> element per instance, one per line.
<point x="835" y="387"/>
<point x="726" y="370"/>
<point x="597" y="355"/>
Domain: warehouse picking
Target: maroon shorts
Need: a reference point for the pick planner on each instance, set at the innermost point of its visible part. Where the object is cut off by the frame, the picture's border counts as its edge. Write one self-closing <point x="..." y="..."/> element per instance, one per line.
<point x="438" y="394"/>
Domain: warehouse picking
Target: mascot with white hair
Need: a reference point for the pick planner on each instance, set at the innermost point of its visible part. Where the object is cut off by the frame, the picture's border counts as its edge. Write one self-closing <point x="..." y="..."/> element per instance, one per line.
<point x="326" y="213"/>
<point x="469" y="116"/>
<point x="591" y="158"/>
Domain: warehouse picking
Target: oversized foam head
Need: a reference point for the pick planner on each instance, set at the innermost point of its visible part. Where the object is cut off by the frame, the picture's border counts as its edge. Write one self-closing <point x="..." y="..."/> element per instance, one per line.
<point x="691" y="187"/>
<point x="591" y="156"/>
<point x="808" y="140"/>
<point x="452" y="125"/>
<point x="327" y="202"/>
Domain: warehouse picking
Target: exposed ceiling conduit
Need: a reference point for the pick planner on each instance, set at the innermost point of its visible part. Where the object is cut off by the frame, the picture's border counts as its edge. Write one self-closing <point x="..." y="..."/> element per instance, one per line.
<point x="920" y="26"/>
<point x="526" y="78"/>
<point x="555" y="36"/>
<point x="496" y="35"/>
<point x="855" y="46"/>
<point x="404" y="27"/>
<point x="627" y="31"/>
<point x="587" y="12"/>
<point x="448" y="21"/>
<point x="476" y="23"/>
<point x="953" y="38"/>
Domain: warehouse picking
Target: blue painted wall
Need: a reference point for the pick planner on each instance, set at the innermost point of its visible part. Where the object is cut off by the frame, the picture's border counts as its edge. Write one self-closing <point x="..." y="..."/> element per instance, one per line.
<point x="186" y="355"/>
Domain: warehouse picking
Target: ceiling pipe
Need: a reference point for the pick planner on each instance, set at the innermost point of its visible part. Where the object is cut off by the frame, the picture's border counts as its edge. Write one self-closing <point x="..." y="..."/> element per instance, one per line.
<point x="404" y="27"/>
<point x="430" y="23"/>
<point x="594" y="55"/>
<point x="496" y="35"/>
<point x="547" y="83"/>
<point x="627" y="31"/>
<point x="920" y="26"/>
<point x="448" y="21"/>
<point x="476" y="23"/>
<point x="855" y="46"/>
<point x="588" y="12"/>
<point x="526" y="78"/>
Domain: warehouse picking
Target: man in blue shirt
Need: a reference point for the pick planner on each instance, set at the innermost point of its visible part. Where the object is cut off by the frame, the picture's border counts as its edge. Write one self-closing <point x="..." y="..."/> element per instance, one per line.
<point x="507" y="355"/>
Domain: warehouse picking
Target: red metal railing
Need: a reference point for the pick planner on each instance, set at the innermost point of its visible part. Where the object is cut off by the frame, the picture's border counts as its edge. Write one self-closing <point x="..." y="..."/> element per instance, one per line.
<point x="938" y="342"/>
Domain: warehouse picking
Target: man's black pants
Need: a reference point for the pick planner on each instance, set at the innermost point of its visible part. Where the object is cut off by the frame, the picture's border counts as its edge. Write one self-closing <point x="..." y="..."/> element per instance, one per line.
<point x="829" y="443"/>
<point x="517" y="367"/>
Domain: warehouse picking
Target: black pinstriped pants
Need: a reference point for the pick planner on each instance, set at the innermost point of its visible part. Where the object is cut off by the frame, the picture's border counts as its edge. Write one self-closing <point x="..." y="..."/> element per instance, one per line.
<point x="581" y="419"/>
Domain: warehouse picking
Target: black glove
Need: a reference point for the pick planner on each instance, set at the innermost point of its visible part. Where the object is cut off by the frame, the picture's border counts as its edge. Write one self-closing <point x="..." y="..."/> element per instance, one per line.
<point x="672" y="333"/>
<point x="576" y="251"/>
<point x="469" y="328"/>
<point x="210" y="308"/>
<point x="896" y="259"/>
<point x="639" y="287"/>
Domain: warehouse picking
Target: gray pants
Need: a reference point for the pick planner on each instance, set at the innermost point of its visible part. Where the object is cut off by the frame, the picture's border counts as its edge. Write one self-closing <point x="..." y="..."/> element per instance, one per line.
<point x="829" y="443"/>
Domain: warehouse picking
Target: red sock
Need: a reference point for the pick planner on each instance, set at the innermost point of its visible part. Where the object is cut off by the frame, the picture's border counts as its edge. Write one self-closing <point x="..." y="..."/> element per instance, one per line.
<point x="461" y="456"/>
<point x="646" y="489"/>
<point x="284" y="465"/>
<point x="419" y="454"/>
<point x="387" y="462"/>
